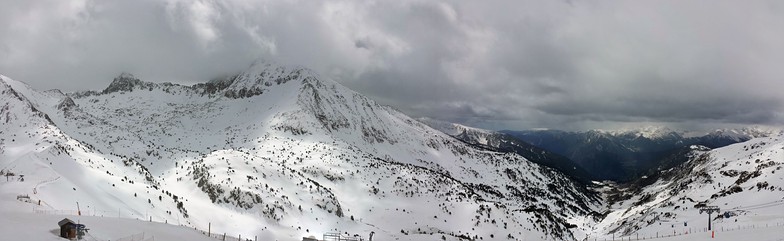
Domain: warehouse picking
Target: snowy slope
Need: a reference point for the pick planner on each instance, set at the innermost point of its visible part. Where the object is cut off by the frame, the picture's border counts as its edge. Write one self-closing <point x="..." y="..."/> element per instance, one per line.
<point x="471" y="134"/>
<point x="26" y="226"/>
<point x="744" y="180"/>
<point x="278" y="152"/>
<point x="44" y="164"/>
<point x="503" y="142"/>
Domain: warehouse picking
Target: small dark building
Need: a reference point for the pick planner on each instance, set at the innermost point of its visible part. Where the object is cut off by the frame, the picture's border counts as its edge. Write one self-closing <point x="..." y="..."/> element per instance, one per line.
<point x="67" y="228"/>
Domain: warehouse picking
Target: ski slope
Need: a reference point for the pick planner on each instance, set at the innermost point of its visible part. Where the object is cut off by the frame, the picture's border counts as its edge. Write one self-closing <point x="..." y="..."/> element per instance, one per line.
<point x="29" y="226"/>
<point x="745" y="181"/>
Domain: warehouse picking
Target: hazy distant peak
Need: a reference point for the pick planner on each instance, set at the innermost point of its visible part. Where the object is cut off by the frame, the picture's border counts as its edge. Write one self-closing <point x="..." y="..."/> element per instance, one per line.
<point x="56" y="92"/>
<point x="126" y="75"/>
<point x="267" y="68"/>
<point x="746" y="133"/>
<point x="649" y="132"/>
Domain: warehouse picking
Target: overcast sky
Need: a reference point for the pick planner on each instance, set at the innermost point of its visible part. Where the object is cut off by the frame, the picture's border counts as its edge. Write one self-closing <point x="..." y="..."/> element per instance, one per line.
<point x="492" y="64"/>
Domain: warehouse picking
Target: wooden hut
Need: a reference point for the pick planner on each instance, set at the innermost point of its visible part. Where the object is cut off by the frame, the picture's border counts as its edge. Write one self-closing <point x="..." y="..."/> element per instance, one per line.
<point x="67" y="228"/>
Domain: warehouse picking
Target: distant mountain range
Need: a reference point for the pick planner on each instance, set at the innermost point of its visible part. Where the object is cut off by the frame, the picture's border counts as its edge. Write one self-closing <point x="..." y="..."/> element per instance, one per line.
<point x="627" y="154"/>
<point x="616" y="155"/>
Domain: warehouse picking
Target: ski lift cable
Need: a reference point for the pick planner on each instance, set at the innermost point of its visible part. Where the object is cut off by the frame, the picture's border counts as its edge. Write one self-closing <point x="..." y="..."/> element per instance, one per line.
<point x="760" y="207"/>
<point x="742" y="208"/>
<point x="754" y="205"/>
<point x="778" y="202"/>
<point x="766" y="204"/>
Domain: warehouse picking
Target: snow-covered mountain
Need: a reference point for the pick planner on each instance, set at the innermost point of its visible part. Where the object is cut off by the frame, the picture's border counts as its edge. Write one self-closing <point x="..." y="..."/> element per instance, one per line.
<point x="648" y="132"/>
<point x="744" y="134"/>
<point x="663" y="132"/>
<point x="503" y="142"/>
<point x="744" y="180"/>
<point x="276" y="151"/>
<point x="471" y="134"/>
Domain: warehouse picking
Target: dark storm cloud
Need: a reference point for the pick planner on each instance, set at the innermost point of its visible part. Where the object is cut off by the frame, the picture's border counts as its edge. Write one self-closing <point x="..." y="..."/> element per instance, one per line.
<point x="494" y="64"/>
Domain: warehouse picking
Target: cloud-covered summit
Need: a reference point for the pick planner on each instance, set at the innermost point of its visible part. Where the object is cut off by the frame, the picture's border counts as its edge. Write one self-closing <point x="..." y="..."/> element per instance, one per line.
<point x="493" y="64"/>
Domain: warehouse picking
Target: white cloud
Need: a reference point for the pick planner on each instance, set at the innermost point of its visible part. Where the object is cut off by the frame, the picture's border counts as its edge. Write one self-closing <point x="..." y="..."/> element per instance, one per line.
<point x="494" y="63"/>
<point x="199" y="15"/>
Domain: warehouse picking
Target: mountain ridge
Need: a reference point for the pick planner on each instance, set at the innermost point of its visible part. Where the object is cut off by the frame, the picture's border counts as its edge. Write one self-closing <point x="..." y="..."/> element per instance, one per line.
<point x="290" y="159"/>
<point x="501" y="142"/>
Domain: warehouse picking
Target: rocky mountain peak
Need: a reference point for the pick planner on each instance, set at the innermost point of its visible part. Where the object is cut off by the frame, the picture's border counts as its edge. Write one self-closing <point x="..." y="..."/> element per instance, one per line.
<point x="123" y="82"/>
<point x="66" y="104"/>
<point x="260" y="76"/>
